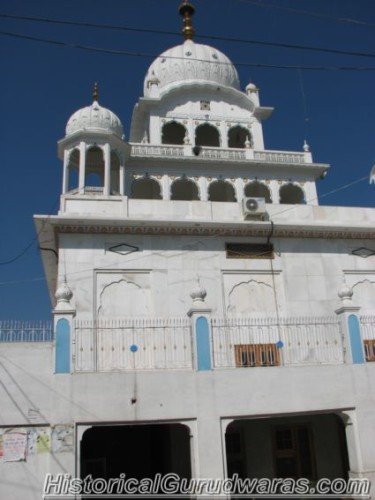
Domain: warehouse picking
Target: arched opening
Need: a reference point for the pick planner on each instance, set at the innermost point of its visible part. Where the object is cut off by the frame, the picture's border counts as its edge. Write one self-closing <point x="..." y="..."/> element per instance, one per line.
<point x="173" y="133"/>
<point x="146" y="189"/>
<point x="184" y="189"/>
<point x="207" y="135"/>
<point x="73" y="170"/>
<point x="312" y="446"/>
<point x="115" y="174"/>
<point x="258" y="190"/>
<point x="291" y="194"/>
<point x="221" y="191"/>
<point x="138" y="451"/>
<point x="237" y="137"/>
<point x="94" y="172"/>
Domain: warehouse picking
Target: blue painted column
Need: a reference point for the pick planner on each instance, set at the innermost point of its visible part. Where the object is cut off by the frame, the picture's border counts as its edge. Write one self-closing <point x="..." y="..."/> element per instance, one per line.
<point x="203" y="344"/>
<point x="63" y="320"/>
<point x="201" y="330"/>
<point x="356" y="342"/>
<point x="62" y="346"/>
<point x="350" y="327"/>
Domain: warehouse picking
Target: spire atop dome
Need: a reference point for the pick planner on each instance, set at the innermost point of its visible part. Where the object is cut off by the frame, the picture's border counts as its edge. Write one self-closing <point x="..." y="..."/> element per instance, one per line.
<point x="95" y="92"/>
<point x="187" y="11"/>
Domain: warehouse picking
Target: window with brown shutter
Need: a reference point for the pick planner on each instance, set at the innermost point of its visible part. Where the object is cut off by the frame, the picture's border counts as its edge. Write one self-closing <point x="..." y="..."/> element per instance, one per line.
<point x="249" y="355"/>
<point x="370" y="349"/>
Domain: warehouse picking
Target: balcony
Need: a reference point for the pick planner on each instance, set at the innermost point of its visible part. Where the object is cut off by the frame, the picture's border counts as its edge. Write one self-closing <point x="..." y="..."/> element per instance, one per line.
<point x="219" y="154"/>
<point x="130" y="344"/>
<point x="157" y="344"/>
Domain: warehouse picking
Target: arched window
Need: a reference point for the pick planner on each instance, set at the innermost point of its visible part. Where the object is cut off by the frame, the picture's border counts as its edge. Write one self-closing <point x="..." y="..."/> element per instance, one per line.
<point x="94" y="178"/>
<point x="207" y="135"/>
<point x="291" y="194"/>
<point x="221" y="191"/>
<point x="173" y="133"/>
<point x="73" y="170"/>
<point x="258" y="190"/>
<point x="184" y="189"/>
<point x="146" y="189"/>
<point x="237" y="136"/>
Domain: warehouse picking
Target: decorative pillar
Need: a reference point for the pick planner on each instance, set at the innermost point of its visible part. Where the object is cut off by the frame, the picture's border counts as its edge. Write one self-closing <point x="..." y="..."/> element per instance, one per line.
<point x="122" y="175"/>
<point x="350" y="326"/>
<point x="82" y="167"/>
<point x="275" y="191"/>
<point x="65" y="182"/>
<point x="63" y="328"/>
<point x="203" y="188"/>
<point x="107" y="169"/>
<point x="352" y="442"/>
<point x="166" y="187"/>
<point x="201" y="327"/>
<point x="224" y="129"/>
<point x="239" y="187"/>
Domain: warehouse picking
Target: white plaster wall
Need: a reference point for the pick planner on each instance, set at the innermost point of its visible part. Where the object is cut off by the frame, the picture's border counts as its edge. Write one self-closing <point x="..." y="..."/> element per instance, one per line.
<point x="157" y="279"/>
<point x="201" y="397"/>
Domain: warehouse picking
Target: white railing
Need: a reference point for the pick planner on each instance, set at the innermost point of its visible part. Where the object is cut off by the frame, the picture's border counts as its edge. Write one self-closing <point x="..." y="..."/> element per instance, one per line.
<point x="132" y="344"/>
<point x="222" y="154"/>
<point x="300" y="340"/>
<point x="367" y="327"/>
<point x="157" y="151"/>
<point x="26" y="331"/>
<point x="279" y="157"/>
<point x="217" y="153"/>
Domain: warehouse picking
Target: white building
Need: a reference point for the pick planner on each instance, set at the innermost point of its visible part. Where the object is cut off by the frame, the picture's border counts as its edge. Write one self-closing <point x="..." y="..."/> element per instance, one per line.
<point x="210" y="317"/>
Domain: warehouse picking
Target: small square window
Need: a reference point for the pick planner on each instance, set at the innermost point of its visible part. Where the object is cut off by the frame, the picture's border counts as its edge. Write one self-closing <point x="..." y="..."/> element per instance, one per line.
<point x="205" y="106"/>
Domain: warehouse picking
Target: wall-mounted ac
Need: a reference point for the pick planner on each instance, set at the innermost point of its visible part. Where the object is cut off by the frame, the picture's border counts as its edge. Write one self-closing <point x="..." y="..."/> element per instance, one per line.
<point x="254" y="208"/>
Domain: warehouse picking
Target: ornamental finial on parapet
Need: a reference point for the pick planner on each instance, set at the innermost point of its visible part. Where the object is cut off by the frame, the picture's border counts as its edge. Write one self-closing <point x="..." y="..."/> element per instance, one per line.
<point x="95" y="92"/>
<point x="187" y="11"/>
<point x="345" y="292"/>
<point x="306" y="147"/>
<point x="63" y="296"/>
<point x="198" y="294"/>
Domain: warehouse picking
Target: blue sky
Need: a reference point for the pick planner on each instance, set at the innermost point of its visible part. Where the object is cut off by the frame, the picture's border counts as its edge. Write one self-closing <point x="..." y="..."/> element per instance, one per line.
<point x="42" y="85"/>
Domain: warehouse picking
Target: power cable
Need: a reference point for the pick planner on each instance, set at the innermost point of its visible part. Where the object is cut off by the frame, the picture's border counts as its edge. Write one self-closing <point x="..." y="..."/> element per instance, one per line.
<point x="154" y="56"/>
<point x="32" y="241"/>
<point x="176" y="33"/>
<point x="320" y="15"/>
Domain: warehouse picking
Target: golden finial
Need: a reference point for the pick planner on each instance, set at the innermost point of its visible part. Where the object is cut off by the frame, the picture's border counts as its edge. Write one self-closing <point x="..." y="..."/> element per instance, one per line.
<point x="187" y="11"/>
<point x="95" y="92"/>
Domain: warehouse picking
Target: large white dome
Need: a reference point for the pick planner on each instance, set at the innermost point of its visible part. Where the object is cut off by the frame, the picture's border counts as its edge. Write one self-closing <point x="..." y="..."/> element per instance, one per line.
<point x="191" y="62"/>
<point x="94" y="118"/>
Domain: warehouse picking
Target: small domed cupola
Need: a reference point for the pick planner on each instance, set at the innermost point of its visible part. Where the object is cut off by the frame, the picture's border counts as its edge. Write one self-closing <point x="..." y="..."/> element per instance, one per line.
<point x="93" y="151"/>
<point x="94" y="118"/>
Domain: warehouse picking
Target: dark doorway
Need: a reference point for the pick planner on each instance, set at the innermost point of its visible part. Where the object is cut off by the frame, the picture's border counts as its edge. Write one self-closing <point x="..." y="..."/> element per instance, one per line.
<point x="311" y="446"/>
<point x="139" y="451"/>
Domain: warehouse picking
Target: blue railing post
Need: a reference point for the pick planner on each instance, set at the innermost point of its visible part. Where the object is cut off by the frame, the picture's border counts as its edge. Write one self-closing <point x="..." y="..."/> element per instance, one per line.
<point x="64" y="330"/>
<point x="350" y="327"/>
<point x="200" y="316"/>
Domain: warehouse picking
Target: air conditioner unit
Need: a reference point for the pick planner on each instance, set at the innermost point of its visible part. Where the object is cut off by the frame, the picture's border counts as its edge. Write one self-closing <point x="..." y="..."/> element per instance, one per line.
<point x="254" y="208"/>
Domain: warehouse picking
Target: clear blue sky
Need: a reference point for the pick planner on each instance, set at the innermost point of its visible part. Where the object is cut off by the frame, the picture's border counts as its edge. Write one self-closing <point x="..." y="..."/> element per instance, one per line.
<point x="42" y="85"/>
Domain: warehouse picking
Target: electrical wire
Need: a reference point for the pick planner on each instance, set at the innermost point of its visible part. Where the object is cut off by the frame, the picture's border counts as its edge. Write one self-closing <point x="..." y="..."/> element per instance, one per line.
<point x="32" y="241"/>
<point x="155" y="56"/>
<point x="320" y="15"/>
<point x="176" y="33"/>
